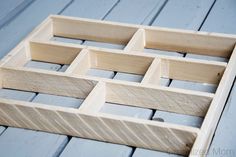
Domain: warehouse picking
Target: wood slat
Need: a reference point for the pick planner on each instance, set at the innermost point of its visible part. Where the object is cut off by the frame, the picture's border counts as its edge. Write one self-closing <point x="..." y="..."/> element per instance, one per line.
<point x="46" y="82"/>
<point x="61" y="120"/>
<point x="161" y="98"/>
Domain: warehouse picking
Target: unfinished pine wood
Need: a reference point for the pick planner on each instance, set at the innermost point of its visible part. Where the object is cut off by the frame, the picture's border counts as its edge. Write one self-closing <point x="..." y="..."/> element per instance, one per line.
<point x="59" y="120"/>
<point x="161" y="98"/>
<point x="196" y="71"/>
<point x="88" y="121"/>
<point x="90" y="31"/>
<point x="46" y="82"/>
<point x="153" y="74"/>
<point x="137" y="43"/>
<point x="217" y="105"/>
<point x="51" y="53"/>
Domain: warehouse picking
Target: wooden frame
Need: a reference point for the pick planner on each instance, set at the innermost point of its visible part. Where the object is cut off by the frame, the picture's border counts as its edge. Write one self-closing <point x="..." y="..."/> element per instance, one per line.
<point x="87" y="121"/>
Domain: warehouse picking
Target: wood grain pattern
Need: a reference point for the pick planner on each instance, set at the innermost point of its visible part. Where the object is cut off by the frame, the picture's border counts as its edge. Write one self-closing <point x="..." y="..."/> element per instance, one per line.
<point x="161" y="98"/>
<point x="103" y="127"/>
<point x="88" y="121"/>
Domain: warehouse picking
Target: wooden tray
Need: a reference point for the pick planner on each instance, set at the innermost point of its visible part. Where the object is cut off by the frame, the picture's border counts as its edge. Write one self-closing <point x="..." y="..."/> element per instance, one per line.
<point x="87" y="121"/>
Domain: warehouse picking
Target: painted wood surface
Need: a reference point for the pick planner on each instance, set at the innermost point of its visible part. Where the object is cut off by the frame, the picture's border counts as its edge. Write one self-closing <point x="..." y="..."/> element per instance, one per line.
<point x="13" y="33"/>
<point x="9" y="9"/>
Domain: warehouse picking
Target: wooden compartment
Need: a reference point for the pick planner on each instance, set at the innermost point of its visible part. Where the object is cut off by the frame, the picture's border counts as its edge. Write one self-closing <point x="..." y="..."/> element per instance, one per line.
<point x="87" y="121"/>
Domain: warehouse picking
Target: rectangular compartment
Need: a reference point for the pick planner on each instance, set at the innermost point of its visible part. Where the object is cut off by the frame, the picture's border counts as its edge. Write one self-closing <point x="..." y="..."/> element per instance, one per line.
<point x="43" y="54"/>
<point x="110" y="61"/>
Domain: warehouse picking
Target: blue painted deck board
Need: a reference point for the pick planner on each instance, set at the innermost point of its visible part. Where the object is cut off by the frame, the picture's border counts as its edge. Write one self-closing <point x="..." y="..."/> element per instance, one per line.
<point x="58" y="100"/>
<point x="208" y="58"/>
<point x="139" y="152"/>
<point x="100" y="73"/>
<point x="222" y="17"/>
<point x="79" y="147"/>
<point x="128" y="77"/>
<point x="16" y="94"/>
<point x="162" y="52"/>
<point x="106" y="45"/>
<point x="183" y="14"/>
<point x="10" y="8"/>
<point x="26" y="21"/>
<point x="2" y="129"/>
<point x="211" y="88"/>
<point x="180" y="119"/>
<point x="89" y="8"/>
<point x="27" y="143"/>
<point x="42" y="65"/>
<point x="128" y="111"/>
<point x="135" y="13"/>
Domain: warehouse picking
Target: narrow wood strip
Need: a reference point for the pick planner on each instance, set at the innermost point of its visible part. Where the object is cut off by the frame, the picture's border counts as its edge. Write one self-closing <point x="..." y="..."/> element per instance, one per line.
<point x="95" y="100"/>
<point x="137" y="43"/>
<point x="121" y="62"/>
<point x="88" y="30"/>
<point x="213" y="115"/>
<point x="161" y="98"/>
<point x="122" y="130"/>
<point x="153" y="74"/>
<point x="16" y="57"/>
<point x="195" y="71"/>
<point x="59" y="54"/>
<point x="191" y="42"/>
<point x="46" y="82"/>
<point x="81" y="63"/>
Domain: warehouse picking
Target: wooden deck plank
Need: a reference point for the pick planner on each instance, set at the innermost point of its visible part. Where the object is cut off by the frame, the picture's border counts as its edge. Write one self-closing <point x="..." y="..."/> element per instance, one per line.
<point x="222" y="17"/>
<point x="12" y="33"/>
<point x="116" y="109"/>
<point x="145" y="152"/>
<point x="100" y="73"/>
<point x="89" y="8"/>
<point x="175" y="118"/>
<point x="9" y="9"/>
<point x="58" y="100"/>
<point x="2" y="129"/>
<point x="128" y="77"/>
<point x="78" y="147"/>
<point x="21" y="142"/>
<point x="135" y="13"/>
<point x="16" y="94"/>
<point x="183" y="14"/>
<point x="42" y="65"/>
